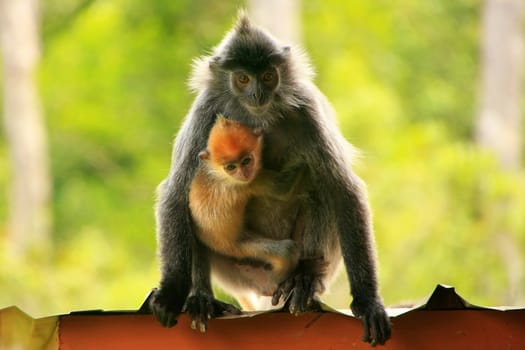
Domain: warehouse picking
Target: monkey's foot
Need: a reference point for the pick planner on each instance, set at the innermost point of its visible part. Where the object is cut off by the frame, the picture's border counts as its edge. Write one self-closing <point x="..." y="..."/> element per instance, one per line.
<point x="375" y="320"/>
<point x="300" y="293"/>
<point x="165" y="307"/>
<point x="202" y="307"/>
<point x="300" y="290"/>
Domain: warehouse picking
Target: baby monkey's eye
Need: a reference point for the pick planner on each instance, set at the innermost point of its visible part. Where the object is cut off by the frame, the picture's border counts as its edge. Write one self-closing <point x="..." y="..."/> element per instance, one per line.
<point x="246" y="160"/>
<point x="230" y="167"/>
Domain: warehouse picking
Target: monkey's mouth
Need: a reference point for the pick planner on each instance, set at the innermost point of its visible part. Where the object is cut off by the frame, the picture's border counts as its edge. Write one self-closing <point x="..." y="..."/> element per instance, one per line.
<point x="258" y="109"/>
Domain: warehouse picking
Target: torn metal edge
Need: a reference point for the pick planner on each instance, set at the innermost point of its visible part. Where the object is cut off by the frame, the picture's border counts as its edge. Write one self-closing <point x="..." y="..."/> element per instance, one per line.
<point x="442" y="298"/>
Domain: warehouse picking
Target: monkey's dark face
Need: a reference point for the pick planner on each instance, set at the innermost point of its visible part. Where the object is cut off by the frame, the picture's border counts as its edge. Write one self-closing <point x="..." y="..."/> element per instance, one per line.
<point x="255" y="90"/>
<point x="254" y="67"/>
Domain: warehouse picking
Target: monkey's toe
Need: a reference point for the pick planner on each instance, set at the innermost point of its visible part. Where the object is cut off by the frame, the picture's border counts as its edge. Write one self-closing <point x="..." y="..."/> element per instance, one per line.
<point x="300" y="293"/>
<point x="165" y="309"/>
<point x="203" y="307"/>
<point x="376" y="323"/>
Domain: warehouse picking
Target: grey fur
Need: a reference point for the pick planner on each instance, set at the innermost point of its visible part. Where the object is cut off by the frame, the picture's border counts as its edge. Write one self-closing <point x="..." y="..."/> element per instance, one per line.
<point x="329" y="219"/>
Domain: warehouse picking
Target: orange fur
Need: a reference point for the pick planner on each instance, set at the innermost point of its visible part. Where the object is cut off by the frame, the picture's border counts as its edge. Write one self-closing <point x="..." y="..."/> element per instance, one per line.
<point x="217" y="200"/>
<point x="217" y="210"/>
<point x="229" y="140"/>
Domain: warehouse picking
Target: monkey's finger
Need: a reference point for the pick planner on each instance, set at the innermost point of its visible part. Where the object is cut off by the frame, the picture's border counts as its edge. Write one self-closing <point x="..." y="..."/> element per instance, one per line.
<point x="206" y="308"/>
<point x="220" y="308"/>
<point x="306" y="289"/>
<point x="299" y="297"/>
<point x="314" y="303"/>
<point x="166" y="318"/>
<point x="311" y="302"/>
<point x="230" y="309"/>
<point x="277" y="295"/>
<point x="366" y="326"/>
<point x="171" y="320"/>
<point x="377" y="334"/>
<point x="161" y="312"/>
<point x="283" y="291"/>
<point x="298" y="304"/>
<point x="194" y="308"/>
<point x="381" y="329"/>
<point x="201" y="322"/>
<point x="195" y="321"/>
<point x="386" y="329"/>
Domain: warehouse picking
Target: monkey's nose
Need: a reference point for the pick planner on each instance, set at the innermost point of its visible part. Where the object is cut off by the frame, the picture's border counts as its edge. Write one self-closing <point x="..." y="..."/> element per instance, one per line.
<point x="259" y="99"/>
<point x="256" y="97"/>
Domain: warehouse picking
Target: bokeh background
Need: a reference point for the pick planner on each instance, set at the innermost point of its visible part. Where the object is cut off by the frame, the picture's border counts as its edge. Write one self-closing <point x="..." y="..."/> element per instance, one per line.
<point x="93" y="92"/>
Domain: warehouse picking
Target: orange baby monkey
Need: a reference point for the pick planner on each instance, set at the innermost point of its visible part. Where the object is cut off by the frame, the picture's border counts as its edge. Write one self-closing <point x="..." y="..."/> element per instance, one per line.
<point x="230" y="173"/>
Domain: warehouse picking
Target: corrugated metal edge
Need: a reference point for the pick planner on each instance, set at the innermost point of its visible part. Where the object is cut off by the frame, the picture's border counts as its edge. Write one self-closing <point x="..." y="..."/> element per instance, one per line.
<point x="18" y="330"/>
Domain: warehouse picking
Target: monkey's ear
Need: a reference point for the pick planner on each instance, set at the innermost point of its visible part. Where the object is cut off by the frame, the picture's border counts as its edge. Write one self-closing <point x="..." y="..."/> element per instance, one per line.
<point x="278" y="58"/>
<point x="222" y="63"/>
<point x="215" y="62"/>
<point x="204" y="155"/>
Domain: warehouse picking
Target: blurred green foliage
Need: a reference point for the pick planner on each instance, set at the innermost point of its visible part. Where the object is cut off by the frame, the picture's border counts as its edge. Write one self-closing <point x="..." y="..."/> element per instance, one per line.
<point x="402" y="75"/>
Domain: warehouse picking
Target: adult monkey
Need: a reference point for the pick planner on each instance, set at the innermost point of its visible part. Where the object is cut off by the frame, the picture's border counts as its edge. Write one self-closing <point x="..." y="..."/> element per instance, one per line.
<point x="255" y="81"/>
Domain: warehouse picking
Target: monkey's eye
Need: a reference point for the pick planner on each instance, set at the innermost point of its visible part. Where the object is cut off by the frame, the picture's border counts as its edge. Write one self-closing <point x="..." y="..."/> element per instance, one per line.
<point x="243" y="79"/>
<point x="268" y="76"/>
<point x="246" y="160"/>
<point x="230" y="167"/>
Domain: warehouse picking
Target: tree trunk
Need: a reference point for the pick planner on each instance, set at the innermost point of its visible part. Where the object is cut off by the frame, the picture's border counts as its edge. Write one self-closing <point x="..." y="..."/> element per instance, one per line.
<point x="499" y="127"/>
<point x="280" y="18"/>
<point x="29" y="193"/>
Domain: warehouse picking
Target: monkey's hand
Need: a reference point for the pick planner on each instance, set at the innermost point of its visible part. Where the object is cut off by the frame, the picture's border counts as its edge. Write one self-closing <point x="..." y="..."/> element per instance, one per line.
<point x="165" y="306"/>
<point x="201" y="307"/>
<point x="302" y="287"/>
<point x="286" y="248"/>
<point x="375" y="320"/>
